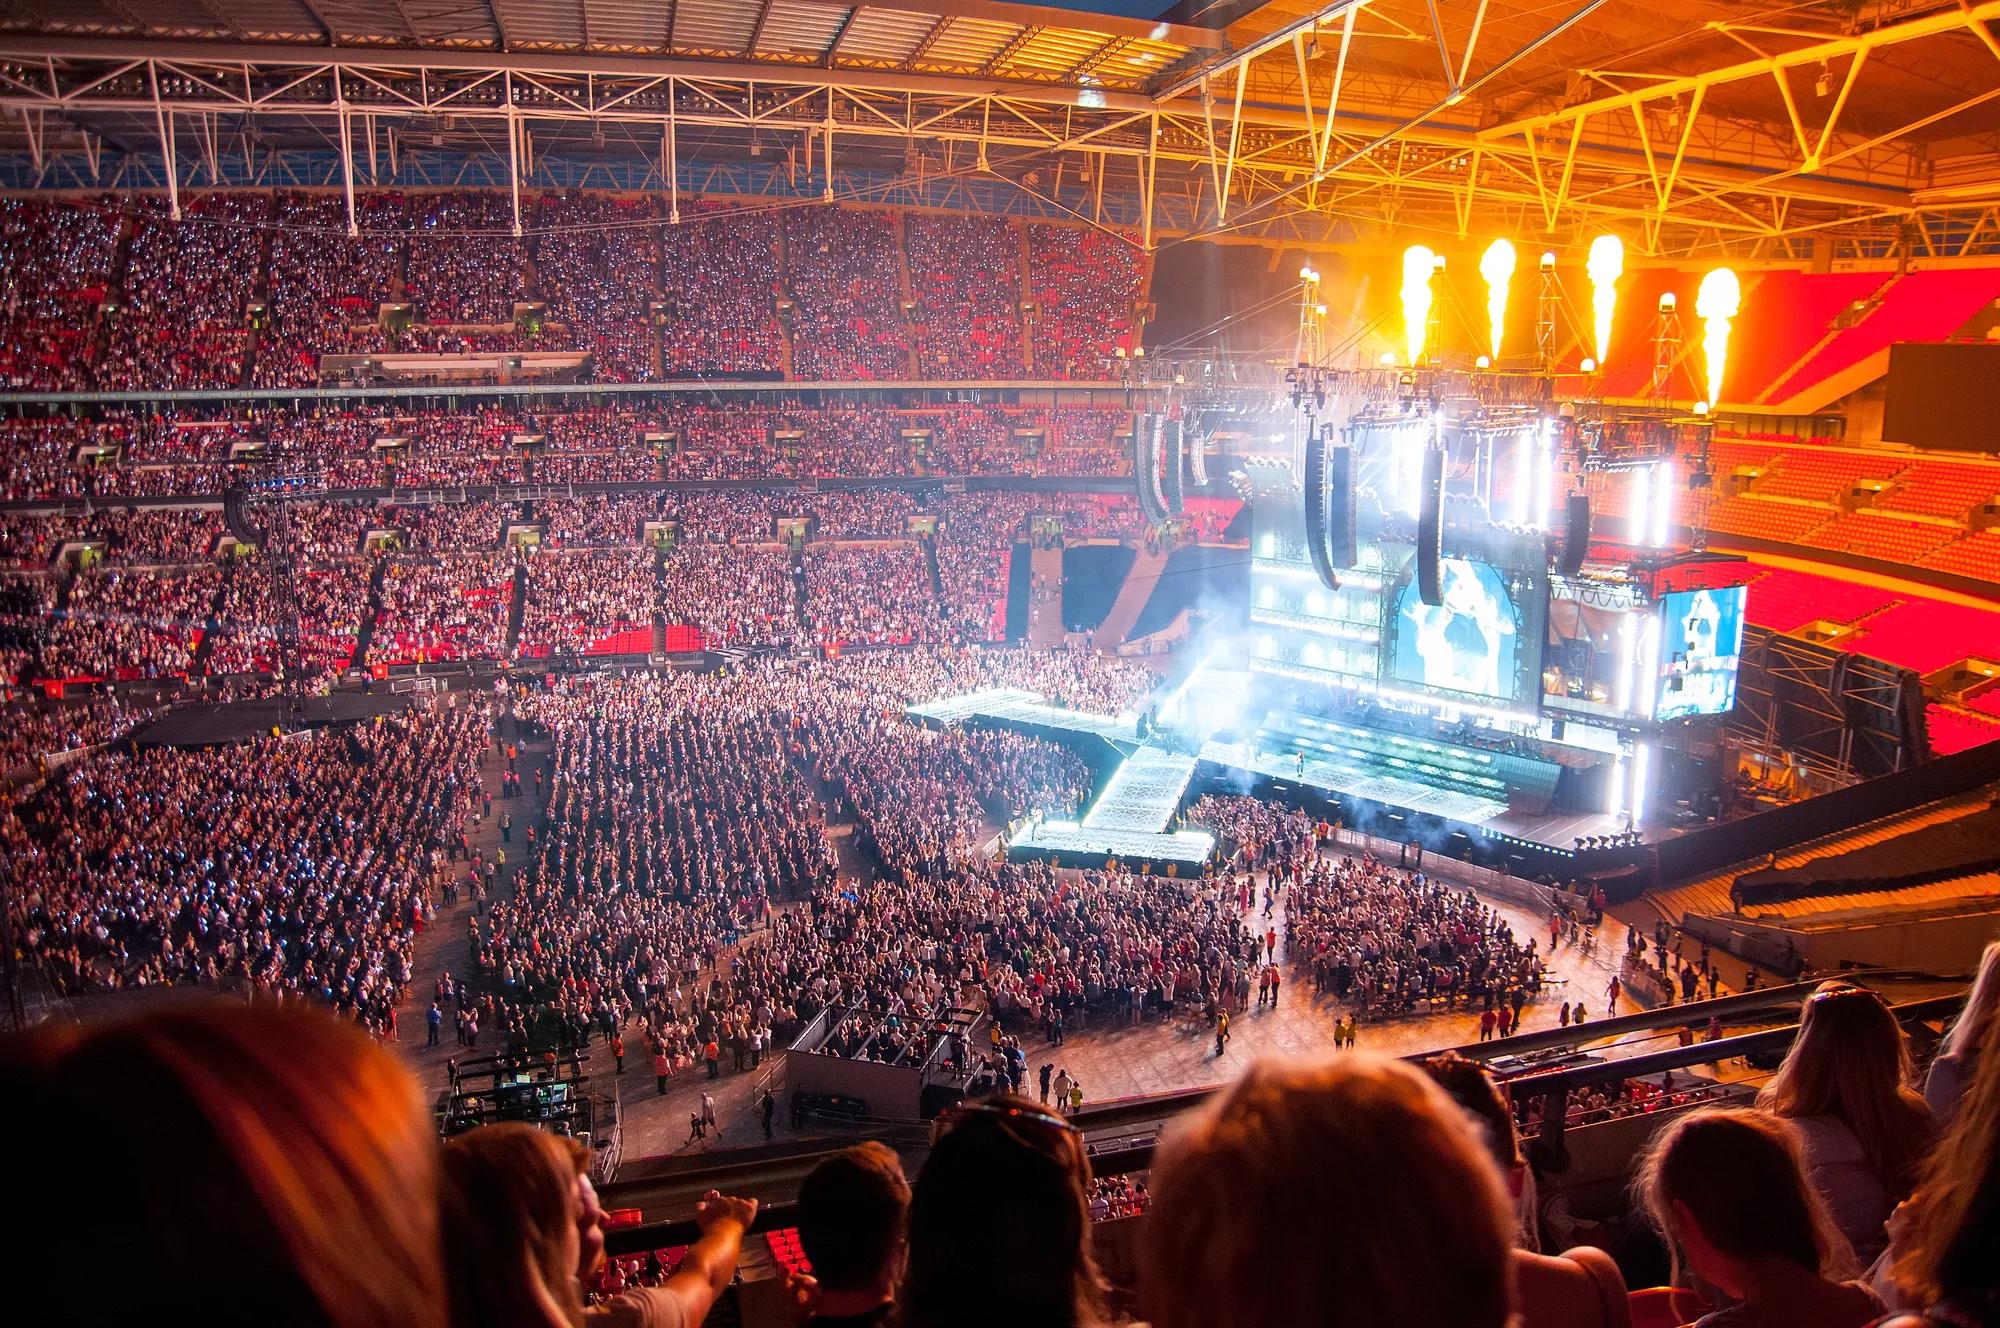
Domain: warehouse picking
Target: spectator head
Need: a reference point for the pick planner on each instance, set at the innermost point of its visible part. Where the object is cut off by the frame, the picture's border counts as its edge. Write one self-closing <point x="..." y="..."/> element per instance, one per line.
<point x="1851" y="1061"/>
<point x="516" y="1233"/>
<point x="852" y="1209"/>
<point x="250" y="1165"/>
<point x="999" y="1229"/>
<point x="1477" y="1092"/>
<point x="1952" y="1251"/>
<point x="1338" y="1192"/>
<point x="1728" y="1188"/>
<point x="1982" y="1007"/>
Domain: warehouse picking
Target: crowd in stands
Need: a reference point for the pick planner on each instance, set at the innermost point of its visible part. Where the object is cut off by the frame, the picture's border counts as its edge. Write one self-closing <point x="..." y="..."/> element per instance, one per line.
<point x="60" y="259"/>
<point x="331" y="601"/>
<point x="964" y="275"/>
<point x="717" y="293"/>
<point x="717" y="274"/>
<point x="733" y="595"/>
<point x="842" y="274"/>
<point x="183" y="323"/>
<point x="575" y="600"/>
<point x="870" y="594"/>
<point x="122" y="624"/>
<point x="447" y="607"/>
<point x="597" y="264"/>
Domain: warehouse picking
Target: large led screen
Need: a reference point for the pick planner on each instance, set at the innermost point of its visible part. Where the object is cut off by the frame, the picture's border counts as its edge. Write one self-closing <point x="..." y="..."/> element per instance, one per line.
<point x="1470" y="644"/>
<point x="1701" y="644"/>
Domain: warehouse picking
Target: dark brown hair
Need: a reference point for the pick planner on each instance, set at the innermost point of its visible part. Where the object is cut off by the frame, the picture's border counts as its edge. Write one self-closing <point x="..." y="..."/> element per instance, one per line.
<point x="1000" y="1226"/>
<point x="510" y="1212"/>
<point x="1953" y="1250"/>
<point x="852" y="1208"/>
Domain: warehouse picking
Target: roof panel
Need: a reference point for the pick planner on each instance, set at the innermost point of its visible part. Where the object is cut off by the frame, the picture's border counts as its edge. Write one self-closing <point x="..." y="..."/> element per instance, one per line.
<point x="797" y="28"/>
<point x="715" y="25"/>
<point x="628" y="24"/>
<point x="886" y="34"/>
<point x="971" y="42"/>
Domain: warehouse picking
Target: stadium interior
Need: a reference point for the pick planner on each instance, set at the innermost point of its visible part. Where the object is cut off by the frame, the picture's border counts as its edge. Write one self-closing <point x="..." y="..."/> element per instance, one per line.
<point x="685" y="662"/>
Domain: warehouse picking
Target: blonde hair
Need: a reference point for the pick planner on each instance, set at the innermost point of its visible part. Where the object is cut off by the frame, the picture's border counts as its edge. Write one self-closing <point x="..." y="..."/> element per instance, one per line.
<point x="1981" y="1005"/>
<point x="1952" y="1252"/>
<point x="1741" y="1177"/>
<point x="1851" y="1062"/>
<point x="510" y="1207"/>
<point x="237" y="1164"/>
<point x="1331" y="1191"/>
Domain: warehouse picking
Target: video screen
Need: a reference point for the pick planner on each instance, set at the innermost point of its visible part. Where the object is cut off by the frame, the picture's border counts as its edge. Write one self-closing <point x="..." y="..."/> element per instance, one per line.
<point x="1468" y="644"/>
<point x="1701" y="644"/>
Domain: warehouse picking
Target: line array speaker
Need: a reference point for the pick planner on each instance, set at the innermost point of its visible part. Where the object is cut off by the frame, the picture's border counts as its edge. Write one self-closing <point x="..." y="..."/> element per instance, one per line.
<point x="1576" y="533"/>
<point x="1430" y="529"/>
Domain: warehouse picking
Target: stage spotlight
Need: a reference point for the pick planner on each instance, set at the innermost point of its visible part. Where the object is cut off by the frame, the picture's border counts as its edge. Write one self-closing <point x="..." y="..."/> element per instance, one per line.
<point x="1483" y="362"/>
<point x="1388" y="357"/>
<point x="1548" y="260"/>
<point x="1588" y="366"/>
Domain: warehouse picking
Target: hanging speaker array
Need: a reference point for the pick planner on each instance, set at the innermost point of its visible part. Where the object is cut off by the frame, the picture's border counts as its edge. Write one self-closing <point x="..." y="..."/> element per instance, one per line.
<point x="1173" y="494"/>
<point x="1430" y="529"/>
<point x="1316" y="508"/>
<point x="1146" y="467"/>
<point x="1340" y="507"/>
<point x="1576" y="533"/>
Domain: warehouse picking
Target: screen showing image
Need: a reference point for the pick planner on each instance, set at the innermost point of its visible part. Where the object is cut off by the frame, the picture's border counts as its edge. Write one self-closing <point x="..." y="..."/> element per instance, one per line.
<point x="1701" y="644"/>
<point x="1470" y="643"/>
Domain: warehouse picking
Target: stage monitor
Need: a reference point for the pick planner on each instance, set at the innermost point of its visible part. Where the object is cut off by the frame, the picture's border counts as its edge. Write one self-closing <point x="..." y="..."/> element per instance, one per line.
<point x="1471" y="644"/>
<point x="1701" y="645"/>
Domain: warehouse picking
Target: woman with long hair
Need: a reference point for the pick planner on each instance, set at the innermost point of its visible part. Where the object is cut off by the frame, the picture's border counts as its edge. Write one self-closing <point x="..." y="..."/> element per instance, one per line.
<point x="523" y="1230"/>
<point x="1728" y="1191"/>
<point x="1341" y="1192"/>
<point x="999" y="1228"/>
<point x="1946" y="1255"/>
<point x="231" y="1164"/>
<point x="1845" y="1084"/>
<point x="1957" y="1061"/>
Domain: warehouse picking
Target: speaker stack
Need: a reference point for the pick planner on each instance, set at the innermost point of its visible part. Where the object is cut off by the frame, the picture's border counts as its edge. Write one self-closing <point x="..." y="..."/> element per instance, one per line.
<point x="1430" y="529"/>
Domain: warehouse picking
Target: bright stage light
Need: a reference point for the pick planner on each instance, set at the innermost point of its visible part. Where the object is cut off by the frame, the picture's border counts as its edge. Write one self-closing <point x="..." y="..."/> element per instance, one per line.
<point x="1717" y="303"/>
<point x="1663" y="502"/>
<point x="1639" y="505"/>
<point x="1524" y="469"/>
<point x="1497" y="266"/>
<point x="1389" y="357"/>
<point x="1605" y="265"/>
<point x="1588" y="366"/>
<point x="1545" y="459"/>
<point x="1419" y="266"/>
<point x="1642" y="778"/>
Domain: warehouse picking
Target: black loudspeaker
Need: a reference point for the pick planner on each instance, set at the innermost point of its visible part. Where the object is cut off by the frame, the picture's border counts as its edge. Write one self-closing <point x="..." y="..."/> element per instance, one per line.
<point x="1173" y="496"/>
<point x="1315" y="493"/>
<point x="237" y="518"/>
<point x="1576" y="533"/>
<point x="1340" y="534"/>
<point x="1430" y="529"/>
<point x="1146" y="467"/>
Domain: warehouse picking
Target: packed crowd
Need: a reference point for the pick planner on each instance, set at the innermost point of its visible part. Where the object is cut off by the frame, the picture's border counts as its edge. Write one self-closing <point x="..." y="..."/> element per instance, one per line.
<point x="577" y="600"/>
<point x="449" y="606"/>
<point x="122" y="624"/>
<point x="711" y="294"/>
<point x="296" y="865"/>
<point x="734" y="595"/>
<point x="870" y="594"/>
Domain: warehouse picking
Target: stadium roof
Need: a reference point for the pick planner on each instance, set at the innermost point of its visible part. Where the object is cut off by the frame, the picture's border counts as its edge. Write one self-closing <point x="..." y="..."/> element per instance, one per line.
<point x="1689" y="126"/>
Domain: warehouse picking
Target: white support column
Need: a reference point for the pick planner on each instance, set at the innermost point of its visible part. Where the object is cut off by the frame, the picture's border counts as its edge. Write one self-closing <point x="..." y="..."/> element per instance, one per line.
<point x="513" y="155"/>
<point x="673" y="162"/>
<point x="346" y="155"/>
<point x="1147" y="194"/>
<point x="164" y="123"/>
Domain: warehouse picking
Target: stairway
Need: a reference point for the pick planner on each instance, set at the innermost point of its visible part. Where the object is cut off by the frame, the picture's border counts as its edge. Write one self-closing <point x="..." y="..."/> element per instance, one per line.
<point x="517" y="608"/>
<point x="906" y="293"/>
<point x="371" y="606"/>
<point x="1045" y="620"/>
<point x="1027" y="279"/>
<point x="1132" y="596"/>
<point x="781" y="260"/>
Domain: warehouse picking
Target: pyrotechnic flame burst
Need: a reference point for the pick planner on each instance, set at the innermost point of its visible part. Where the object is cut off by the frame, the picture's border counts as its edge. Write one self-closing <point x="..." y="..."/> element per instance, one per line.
<point x="1419" y="263"/>
<point x="1497" y="266"/>
<point x="1716" y="303"/>
<point x="1605" y="265"/>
